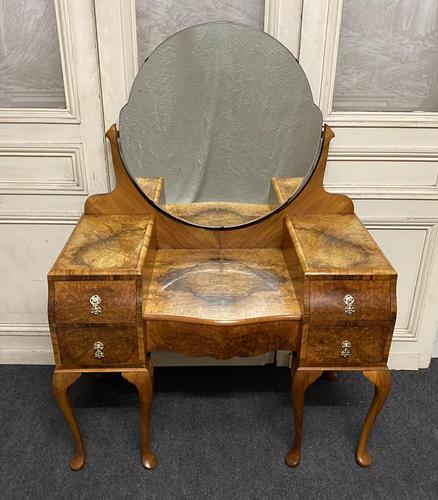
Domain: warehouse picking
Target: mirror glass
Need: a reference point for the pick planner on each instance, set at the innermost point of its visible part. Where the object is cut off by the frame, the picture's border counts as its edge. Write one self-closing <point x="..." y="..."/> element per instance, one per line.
<point x="219" y="122"/>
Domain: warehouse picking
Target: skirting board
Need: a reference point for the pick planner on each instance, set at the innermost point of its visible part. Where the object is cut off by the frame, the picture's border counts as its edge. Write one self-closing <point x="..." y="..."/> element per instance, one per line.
<point x="397" y="361"/>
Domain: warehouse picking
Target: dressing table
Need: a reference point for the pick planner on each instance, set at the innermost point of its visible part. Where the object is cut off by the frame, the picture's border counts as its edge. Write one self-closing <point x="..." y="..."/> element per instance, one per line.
<point x="219" y="239"/>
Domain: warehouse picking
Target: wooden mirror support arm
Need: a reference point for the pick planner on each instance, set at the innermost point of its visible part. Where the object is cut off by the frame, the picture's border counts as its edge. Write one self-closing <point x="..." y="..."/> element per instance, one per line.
<point x="309" y="279"/>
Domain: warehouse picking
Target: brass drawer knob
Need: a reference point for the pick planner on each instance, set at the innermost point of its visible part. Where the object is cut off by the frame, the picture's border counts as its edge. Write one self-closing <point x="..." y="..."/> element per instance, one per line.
<point x="349" y="301"/>
<point x="95" y="302"/>
<point x="98" y="350"/>
<point x="345" y="349"/>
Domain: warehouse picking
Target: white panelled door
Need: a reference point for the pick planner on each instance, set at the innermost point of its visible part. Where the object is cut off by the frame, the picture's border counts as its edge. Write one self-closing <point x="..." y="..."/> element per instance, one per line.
<point x="52" y="156"/>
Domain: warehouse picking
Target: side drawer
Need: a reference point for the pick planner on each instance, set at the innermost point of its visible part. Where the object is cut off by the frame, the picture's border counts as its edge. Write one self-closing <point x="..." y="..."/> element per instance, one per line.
<point x="97" y="346"/>
<point x="362" y="344"/>
<point x="95" y="301"/>
<point x="350" y="300"/>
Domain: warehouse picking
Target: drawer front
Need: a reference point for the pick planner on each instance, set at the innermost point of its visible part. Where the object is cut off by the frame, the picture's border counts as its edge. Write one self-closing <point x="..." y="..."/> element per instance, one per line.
<point x="350" y="300"/>
<point x="98" y="346"/>
<point x="95" y="301"/>
<point x="353" y="345"/>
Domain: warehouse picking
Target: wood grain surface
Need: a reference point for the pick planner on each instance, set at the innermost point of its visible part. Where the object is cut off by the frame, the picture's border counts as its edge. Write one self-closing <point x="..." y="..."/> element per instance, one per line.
<point x="222" y="341"/>
<point x="221" y="286"/>
<point x="76" y="346"/>
<point x="218" y="213"/>
<point x="152" y="187"/>
<point x="104" y="244"/>
<point x="285" y="188"/>
<point x="371" y="300"/>
<point x="293" y="263"/>
<point x="322" y="345"/>
<point x="337" y="245"/>
<point x="72" y="301"/>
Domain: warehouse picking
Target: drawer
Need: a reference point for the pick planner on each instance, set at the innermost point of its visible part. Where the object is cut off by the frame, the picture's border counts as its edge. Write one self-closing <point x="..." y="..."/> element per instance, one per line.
<point x="98" y="346"/>
<point x="363" y="344"/>
<point x="95" y="301"/>
<point x="350" y="300"/>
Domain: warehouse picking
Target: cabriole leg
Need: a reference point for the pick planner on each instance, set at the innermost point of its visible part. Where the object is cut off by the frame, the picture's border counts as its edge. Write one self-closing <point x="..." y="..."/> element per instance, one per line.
<point x="301" y="379"/>
<point x="382" y="381"/>
<point x="61" y="382"/>
<point x="142" y="379"/>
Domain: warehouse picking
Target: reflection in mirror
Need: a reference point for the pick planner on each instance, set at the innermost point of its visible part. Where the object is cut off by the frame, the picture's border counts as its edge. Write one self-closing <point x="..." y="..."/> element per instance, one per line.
<point x="216" y="115"/>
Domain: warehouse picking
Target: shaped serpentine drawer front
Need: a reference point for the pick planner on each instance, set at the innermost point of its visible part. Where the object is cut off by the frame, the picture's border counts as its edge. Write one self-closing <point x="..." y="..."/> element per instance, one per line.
<point x="363" y="344"/>
<point x="350" y="300"/>
<point x="97" y="346"/>
<point x="95" y="301"/>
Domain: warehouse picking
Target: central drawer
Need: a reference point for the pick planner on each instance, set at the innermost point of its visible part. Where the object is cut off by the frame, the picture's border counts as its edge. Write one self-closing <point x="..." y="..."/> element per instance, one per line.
<point x="97" y="346"/>
<point x="99" y="301"/>
<point x="350" y="300"/>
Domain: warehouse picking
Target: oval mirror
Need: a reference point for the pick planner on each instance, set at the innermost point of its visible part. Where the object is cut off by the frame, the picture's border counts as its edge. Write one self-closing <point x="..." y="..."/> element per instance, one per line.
<point x="221" y="114"/>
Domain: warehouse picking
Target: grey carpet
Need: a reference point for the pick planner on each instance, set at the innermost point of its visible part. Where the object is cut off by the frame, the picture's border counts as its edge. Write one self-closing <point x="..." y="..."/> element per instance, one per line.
<point x="218" y="433"/>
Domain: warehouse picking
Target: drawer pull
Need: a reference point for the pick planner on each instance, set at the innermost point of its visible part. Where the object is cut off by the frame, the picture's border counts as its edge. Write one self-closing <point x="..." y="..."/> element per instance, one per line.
<point x="349" y="301"/>
<point x="98" y="350"/>
<point x="95" y="302"/>
<point x="345" y="349"/>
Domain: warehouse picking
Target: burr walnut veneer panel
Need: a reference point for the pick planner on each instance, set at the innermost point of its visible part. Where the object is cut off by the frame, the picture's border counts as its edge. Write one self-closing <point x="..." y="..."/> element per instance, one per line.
<point x="370" y="299"/>
<point x="222" y="341"/>
<point x="337" y="245"/>
<point x="105" y="244"/>
<point x="221" y="286"/>
<point x="368" y="343"/>
<point x="118" y="301"/>
<point x="120" y="346"/>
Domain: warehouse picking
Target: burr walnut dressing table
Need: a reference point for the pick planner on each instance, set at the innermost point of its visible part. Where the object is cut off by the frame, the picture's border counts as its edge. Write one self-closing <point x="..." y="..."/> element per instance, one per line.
<point x="219" y="239"/>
